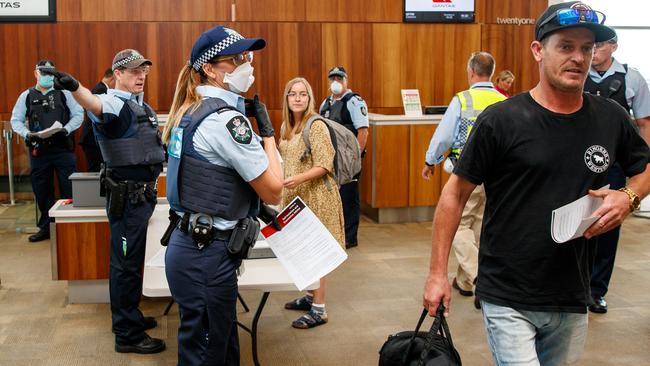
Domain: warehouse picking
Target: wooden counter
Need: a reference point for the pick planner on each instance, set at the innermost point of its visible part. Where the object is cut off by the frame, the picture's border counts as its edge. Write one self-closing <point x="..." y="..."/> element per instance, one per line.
<point x="392" y="188"/>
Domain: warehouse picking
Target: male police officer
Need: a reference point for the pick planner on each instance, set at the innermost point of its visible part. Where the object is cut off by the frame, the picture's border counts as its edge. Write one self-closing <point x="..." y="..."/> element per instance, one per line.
<point x="452" y="134"/>
<point x="626" y="86"/>
<point x="87" y="140"/>
<point x="347" y="108"/>
<point x="46" y="108"/>
<point x="128" y="136"/>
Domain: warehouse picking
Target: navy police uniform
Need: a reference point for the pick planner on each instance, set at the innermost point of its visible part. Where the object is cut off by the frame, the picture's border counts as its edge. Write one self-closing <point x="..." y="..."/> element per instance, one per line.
<point x="213" y="143"/>
<point x="628" y="88"/>
<point x="352" y="112"/>
<point x="128" y="137"/>
<point x="42" y="110"/>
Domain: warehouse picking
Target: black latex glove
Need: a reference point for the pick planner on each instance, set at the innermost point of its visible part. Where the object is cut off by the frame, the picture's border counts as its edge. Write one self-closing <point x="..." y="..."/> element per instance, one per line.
<point x="62" y="81"/>
<point x="257" y="109"/>
<point x="269" y="216"/>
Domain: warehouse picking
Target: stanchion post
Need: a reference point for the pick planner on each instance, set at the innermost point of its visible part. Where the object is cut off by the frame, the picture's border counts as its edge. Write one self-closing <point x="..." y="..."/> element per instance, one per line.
<point x="10" y="166"/>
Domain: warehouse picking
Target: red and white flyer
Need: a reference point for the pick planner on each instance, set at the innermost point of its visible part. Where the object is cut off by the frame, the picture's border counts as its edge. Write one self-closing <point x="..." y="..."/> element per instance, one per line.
<point x="304" y="246"/>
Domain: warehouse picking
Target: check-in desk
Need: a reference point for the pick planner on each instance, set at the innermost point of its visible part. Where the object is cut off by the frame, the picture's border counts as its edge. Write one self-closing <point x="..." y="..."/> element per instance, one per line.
<point x="80" y="242"/>
<point x="391" y="187"/>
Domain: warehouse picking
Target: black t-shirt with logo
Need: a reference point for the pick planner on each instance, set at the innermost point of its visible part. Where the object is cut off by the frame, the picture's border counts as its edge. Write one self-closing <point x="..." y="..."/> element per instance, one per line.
<point x="531" y="162"/>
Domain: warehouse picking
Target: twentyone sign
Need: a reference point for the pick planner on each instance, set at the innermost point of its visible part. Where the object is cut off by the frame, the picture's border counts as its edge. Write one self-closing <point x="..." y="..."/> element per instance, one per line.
<point x="27" y="11"/>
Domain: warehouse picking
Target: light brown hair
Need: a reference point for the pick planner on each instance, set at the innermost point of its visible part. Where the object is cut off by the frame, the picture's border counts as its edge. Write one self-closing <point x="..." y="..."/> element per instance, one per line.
<point x="287" y="116"/>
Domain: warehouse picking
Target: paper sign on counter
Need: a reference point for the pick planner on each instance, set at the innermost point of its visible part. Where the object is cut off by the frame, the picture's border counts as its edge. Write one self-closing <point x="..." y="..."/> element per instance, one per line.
<point x="304" y="246"/>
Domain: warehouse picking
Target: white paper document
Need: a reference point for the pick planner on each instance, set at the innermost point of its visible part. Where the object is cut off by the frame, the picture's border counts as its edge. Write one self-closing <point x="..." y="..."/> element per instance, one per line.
<point x="56" y="127"/>
<point x="572" y="220"/>
<point x="304" y="246"/>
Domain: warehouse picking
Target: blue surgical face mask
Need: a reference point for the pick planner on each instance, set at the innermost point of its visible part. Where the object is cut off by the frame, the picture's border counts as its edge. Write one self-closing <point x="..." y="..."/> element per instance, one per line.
<point x="46" y="81"/>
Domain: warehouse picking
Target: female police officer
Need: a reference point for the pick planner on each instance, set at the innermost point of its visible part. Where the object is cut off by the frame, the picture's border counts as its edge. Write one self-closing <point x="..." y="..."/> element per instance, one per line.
<point x="217" y="169"/>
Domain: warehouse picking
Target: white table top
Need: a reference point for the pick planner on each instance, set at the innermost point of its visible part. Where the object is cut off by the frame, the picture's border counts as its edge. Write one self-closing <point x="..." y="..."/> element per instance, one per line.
<point x="265" y="275"/>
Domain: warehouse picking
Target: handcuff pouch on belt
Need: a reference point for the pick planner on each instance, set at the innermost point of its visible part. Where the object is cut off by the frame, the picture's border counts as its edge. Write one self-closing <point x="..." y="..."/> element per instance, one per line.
<point x="243" y="237"/>
<point x="202" y="233"/>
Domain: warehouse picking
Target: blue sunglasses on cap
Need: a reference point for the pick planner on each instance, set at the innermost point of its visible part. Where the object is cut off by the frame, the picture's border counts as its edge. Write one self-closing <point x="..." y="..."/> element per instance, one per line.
<point x="575" y="16"/>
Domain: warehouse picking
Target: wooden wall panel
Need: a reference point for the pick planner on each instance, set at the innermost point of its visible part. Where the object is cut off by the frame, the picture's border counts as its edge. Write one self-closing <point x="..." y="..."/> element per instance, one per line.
<point x="270" y="11"/>
<point x="83" y="250"/>
<point x="364" y="11"/>
<point x="351" y="46"/>
<point x="143" y="10"/>
<point x="500" y="41"/>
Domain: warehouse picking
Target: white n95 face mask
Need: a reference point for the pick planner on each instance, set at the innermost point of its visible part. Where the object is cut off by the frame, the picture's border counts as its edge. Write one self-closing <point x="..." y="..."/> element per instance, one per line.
<point x="336" y="87"/>
<point x="240" y="79"/>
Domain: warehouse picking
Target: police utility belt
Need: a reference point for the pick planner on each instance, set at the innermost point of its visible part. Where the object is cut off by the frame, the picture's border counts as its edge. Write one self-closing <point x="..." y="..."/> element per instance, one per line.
<point x="119" y="192"/>
<point x="239" y="240"/>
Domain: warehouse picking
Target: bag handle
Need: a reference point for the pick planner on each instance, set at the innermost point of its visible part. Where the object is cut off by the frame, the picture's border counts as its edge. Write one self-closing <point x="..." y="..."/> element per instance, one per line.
<point x="436" y="325"/>
<point x="439" y="325"/>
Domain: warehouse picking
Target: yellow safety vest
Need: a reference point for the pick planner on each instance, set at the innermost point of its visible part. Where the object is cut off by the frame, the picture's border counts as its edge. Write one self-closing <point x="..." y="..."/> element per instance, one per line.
<point x="472" y="103"/>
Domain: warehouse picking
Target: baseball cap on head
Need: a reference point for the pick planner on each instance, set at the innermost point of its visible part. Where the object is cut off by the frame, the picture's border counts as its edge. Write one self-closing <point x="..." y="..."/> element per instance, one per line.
<point x="572" y="15"/>
<point x="337" y="71"/>
<point x="221" y="41"/>
<point x="129" y="59"/>
<point x="45" y="65"/>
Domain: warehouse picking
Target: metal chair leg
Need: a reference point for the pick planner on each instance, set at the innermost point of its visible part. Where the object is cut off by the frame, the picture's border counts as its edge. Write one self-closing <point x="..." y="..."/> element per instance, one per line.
<point x="169" y="306"/>
<point x="243" y="303"/>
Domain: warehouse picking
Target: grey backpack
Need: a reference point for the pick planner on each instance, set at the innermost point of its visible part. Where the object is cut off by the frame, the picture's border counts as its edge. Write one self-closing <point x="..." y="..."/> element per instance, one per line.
<point x="347" y="160"/>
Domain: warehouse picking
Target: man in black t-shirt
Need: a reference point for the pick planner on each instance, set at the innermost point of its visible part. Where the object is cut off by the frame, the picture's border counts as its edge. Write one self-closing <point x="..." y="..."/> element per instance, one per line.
<point x="534" y="153"/>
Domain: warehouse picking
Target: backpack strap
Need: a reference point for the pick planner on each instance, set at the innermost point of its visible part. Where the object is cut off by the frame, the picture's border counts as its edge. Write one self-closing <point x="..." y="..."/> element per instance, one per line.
<point x="307" y="152"/>
<point x="305" y="136"/>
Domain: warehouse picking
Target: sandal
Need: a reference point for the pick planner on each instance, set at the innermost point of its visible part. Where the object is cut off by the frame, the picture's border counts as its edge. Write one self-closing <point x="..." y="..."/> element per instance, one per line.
<point x="300" y="303"/>
<point x="309" y="320"/>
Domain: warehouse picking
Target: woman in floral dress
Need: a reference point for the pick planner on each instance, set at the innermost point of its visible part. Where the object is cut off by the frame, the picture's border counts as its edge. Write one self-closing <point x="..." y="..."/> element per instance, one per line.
<point x="311" y="179"/>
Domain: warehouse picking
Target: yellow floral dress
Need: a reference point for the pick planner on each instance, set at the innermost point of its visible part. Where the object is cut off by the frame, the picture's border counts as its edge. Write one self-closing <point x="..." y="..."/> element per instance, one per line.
<point x="323" y="201"/>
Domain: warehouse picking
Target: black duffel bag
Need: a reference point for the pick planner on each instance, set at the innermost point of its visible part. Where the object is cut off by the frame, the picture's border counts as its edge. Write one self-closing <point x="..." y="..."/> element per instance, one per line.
<point x="415" y="348"/>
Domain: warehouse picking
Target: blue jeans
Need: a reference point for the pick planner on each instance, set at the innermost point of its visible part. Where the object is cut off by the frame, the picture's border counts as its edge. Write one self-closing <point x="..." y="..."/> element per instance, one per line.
<point x="520" y="337"/>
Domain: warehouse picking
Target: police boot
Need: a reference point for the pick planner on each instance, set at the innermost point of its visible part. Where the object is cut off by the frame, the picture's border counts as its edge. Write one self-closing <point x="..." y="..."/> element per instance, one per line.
<point x="147" y="345"/>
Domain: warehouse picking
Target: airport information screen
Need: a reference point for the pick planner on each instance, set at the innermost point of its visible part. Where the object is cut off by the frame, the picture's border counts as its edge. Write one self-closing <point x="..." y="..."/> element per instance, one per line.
<point x="439" y="11"/>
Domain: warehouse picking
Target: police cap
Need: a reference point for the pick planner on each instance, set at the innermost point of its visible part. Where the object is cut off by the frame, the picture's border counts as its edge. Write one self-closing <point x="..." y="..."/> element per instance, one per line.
<point x="129" y="59"/>
<point x="337" y="71"/>
<point x="45" y="65"/>
<point x="221" y="41"/>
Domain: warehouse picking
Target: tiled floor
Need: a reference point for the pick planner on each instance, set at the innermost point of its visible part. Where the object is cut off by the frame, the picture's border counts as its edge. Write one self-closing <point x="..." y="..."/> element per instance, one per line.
<point x="375" y="293"/>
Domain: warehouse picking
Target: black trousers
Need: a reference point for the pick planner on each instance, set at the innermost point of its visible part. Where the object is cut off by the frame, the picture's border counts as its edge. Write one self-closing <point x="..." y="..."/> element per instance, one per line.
<point x="351" y="210"/>
<point x="128" y="242"/>
<point x="607" y="243"/>
<point x="203" y="283"/>
<point x="43" y="167"/>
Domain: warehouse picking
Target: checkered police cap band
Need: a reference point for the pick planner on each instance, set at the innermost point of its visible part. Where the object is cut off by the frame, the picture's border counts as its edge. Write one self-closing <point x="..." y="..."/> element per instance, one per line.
<point x="210" y="53"/>
<point x="125" y="61"/>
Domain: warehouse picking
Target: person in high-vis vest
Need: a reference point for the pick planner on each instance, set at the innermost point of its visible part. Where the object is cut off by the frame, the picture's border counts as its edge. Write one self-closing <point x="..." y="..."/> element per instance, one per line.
<point x="450" y="136"/>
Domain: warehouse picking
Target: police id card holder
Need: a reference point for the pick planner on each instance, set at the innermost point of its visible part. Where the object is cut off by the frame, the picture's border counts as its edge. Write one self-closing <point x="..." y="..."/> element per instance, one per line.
<point x="176" y="143"/>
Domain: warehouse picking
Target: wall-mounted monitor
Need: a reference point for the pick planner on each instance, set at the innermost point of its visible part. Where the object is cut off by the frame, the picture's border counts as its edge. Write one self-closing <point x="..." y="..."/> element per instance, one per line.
<point x="439" y="11"/>
<point x="27" y="11"/>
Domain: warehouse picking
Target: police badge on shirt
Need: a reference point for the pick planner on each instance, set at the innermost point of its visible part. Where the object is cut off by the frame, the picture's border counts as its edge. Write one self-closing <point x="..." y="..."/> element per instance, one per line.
<point x="240" y="130"/>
